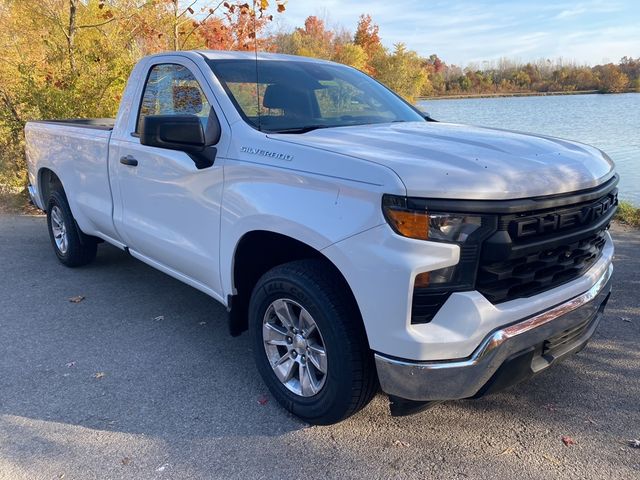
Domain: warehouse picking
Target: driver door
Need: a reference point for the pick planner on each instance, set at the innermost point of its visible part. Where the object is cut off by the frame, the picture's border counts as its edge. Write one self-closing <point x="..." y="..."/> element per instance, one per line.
<point x="169" y="213"/>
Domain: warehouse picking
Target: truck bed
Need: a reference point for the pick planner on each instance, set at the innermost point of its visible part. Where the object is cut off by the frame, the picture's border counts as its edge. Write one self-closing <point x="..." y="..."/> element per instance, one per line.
<point x="78" y="152"/>
<point x="94" y="123"/>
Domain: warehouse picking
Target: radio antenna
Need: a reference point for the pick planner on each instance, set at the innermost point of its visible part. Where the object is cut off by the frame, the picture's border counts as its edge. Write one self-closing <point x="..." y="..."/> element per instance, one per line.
<point x="255" y="49"/>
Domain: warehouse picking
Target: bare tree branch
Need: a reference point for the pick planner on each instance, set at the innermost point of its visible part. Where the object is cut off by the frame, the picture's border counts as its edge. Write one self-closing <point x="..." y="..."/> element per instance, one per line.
<point x="95" y="25"/>
<point x="187" y="9"/>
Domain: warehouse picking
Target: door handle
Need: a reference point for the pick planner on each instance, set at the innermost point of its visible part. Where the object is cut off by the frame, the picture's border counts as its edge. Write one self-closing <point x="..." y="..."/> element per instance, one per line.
<point x="129" y="160"/>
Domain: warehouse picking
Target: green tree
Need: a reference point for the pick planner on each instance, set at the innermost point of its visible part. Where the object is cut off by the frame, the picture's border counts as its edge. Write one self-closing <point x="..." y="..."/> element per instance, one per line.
<point x="351" y="54"/>
<point x="402" y="71"/>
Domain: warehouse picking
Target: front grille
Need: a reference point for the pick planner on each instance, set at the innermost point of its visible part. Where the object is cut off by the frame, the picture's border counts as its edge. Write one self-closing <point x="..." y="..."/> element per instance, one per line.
<point x="525" y="247"/>
<point x="536" y="251"/>
<point x="529" y="274"/>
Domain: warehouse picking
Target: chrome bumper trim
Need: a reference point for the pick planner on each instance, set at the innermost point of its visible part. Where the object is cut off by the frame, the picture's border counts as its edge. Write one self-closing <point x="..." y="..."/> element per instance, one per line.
<point x="463" y="378"/>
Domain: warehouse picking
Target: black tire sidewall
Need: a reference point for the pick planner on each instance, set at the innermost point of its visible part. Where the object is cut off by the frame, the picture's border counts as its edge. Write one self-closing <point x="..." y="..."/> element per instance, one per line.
<point x="78" y="252"/>
<point x="334" y="399"/>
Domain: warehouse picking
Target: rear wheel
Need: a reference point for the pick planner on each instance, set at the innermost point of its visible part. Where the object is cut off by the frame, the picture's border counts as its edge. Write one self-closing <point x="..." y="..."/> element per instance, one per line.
<point x="309" y="344"/>
<point x="73" y="248"/>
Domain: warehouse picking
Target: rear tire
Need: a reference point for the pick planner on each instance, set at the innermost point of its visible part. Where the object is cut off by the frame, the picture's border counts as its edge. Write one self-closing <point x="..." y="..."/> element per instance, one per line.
<point x="302" y="320"/>
<point x="72" y="247"/>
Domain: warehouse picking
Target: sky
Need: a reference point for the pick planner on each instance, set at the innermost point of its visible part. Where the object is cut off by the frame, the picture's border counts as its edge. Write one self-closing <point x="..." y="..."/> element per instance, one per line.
<point x="473" y="32"/>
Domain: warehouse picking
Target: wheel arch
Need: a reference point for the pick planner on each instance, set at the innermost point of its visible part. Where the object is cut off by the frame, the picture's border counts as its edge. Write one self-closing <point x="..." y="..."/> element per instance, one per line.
<point x="257" y="252"/>
<point x="48" y="180"/>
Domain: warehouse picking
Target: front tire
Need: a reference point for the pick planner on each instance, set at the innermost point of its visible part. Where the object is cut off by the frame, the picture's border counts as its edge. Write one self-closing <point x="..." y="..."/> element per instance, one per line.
<point x="309" y="343"/>
<point x="72" y="247"/>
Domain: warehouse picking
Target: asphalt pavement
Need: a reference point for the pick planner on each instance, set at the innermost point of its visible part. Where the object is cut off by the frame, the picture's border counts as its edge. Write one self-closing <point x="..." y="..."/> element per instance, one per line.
<point x="140" y="379"/>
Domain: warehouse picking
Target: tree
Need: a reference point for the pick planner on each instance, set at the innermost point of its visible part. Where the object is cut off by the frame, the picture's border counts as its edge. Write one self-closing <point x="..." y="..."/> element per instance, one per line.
<point x="72" y="58"/>
<point x="402" y="71"/>
<point x="368" y="38"/>
<point x="313" y="40"/>
<point x="522" y="79"/>
<point x="237" y="29"/>
<point x="351" y="54"/>
<point x="611" y="79"/>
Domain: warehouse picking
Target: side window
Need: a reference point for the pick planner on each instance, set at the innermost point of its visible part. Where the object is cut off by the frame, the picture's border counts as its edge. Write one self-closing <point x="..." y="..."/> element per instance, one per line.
<point x="173" y="90"/>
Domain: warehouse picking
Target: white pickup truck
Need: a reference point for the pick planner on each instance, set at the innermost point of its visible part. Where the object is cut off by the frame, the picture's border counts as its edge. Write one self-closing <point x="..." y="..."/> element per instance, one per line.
<point x="360" y="242"/>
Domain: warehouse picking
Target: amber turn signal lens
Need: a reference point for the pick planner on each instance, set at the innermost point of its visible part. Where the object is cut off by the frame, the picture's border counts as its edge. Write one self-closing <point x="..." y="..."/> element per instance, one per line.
<point x="422" y="280"/>
<point x="409" y="223"/>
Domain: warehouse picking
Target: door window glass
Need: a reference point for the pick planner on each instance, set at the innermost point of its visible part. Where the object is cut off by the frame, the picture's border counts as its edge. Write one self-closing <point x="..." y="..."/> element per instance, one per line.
<point x="173" y="90"/>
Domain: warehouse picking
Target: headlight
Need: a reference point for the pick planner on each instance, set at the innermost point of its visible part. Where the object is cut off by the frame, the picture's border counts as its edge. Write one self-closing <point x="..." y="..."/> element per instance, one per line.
<point x="424" y="225"/>
<point x="412" y="218"/>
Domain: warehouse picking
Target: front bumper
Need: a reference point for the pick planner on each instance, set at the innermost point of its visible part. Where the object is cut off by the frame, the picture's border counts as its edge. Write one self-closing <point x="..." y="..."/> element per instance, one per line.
<point x="506" y="355"/>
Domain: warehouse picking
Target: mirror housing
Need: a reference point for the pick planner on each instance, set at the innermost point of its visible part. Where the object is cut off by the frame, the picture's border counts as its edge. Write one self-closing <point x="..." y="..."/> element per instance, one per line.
<point x="179" y="132"/>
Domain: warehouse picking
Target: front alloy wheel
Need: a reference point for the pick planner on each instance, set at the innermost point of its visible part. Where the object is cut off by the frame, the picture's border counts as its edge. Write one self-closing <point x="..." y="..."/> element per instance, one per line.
<point x="294" y="346"/>
<point x="309" y="342"/>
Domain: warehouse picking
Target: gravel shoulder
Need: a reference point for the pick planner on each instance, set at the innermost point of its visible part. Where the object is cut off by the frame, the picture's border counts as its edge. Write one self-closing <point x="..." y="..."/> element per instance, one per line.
<point x="140" y="379"/>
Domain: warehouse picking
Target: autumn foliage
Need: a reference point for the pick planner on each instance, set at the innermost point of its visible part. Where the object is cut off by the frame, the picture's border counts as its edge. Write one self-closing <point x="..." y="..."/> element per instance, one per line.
<point x="72" y="58"/>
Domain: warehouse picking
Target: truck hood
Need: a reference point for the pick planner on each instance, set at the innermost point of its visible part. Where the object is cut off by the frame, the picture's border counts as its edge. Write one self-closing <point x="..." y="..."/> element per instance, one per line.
<point x="443" y="160"/>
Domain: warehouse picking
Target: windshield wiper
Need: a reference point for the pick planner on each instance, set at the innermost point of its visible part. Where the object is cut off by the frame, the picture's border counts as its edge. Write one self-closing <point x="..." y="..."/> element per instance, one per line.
<point x="305" y="129"/>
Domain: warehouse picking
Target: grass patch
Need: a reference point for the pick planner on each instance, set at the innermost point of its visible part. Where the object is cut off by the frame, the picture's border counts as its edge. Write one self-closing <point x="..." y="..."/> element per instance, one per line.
<point x="628" y="214"/>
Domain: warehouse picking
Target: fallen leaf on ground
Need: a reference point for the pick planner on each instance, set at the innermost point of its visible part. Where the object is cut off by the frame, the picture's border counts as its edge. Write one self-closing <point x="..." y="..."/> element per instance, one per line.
<point x="635" y="443"/>
<point x="77" y="299"/>
<point x="71" y="364"/>
<point x="263" y="399"/>
<point x="400" y="443"/>
<point x="159" y="317"/>
<point x="567" y="440"/>
<point x="98" y="375"/>
<point x="125" y="461"/>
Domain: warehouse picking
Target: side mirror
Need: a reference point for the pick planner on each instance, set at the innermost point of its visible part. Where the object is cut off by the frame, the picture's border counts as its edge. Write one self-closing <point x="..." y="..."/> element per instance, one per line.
<point x="178" y="132"/>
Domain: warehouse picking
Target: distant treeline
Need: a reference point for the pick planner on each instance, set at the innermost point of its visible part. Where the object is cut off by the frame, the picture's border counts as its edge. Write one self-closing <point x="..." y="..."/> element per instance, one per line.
<point x="414" y="76"/>
<point x="71" y="58"/>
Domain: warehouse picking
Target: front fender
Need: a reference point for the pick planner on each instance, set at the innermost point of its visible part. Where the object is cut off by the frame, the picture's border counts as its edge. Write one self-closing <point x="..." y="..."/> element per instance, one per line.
<point x="314" y="209"/>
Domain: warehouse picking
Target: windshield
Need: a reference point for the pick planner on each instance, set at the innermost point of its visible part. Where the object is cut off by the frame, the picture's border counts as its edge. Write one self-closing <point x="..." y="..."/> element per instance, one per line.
<point x="298" y="96"/>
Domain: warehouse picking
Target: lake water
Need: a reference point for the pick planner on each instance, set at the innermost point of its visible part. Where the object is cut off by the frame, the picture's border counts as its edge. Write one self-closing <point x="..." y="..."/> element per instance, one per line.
<point x="609" y="122"/>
